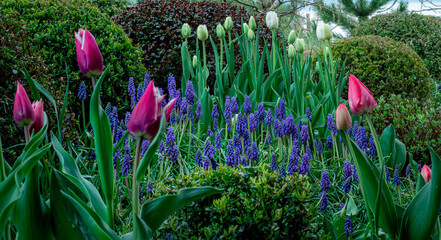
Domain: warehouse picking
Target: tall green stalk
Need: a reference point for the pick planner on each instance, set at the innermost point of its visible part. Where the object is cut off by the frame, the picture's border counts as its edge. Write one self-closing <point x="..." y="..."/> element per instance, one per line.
<point x="135" y="189"/>
<point x="205" y="64"/>
<point x="274" y="49"/>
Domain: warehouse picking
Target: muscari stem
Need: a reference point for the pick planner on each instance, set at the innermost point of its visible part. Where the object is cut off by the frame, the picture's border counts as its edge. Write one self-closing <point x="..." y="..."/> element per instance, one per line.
<point x="135" y="189"/>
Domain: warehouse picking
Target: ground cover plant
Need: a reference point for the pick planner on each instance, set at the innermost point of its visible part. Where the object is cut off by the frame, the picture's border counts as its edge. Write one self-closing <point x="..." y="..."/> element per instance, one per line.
<point x="267" y="151"/>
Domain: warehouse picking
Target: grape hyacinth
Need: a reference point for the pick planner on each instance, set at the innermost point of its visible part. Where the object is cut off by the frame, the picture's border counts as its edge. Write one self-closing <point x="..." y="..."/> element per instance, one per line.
<point x="198" y="110"/>
<point x="386" y="171"/>
<point x="189" y="92"/>
<point x="237" y="142"/>
<point x="295" y="147"/>
<point x="347" y="169"/>
<point x="171" y="86"/>
<point x="132" y="92"/>
<point x="183" y="108"/>
<point x="174" y="153"/>
<point x="238" y="157"/>
<point x="209" y="132"/>
<point x="247" y="105"/>
<point x="114" y="122"/>
<point x="282" y="170"/>
<point x="139" y="92"/>
<point x="218" y="141"/>
<point x="273" y="165"/>
<point x="360" y="138"/>
<point x="243" y="161"/>
<point x="126" y="161"/>
<point x="178" y="100"/>
<point x="241" y="125"/>
<point x="304" y="167"/>
<point x="269" y="118"/>
<point x="246" y="138"/>
<point x="331" y="125"/>
<point x="198" y="158"/>
<point x="308" y="114"/>
<point x="355" y="173"/>
<point x="163" y="103"/>
<point x="397" y="180"/>
<point x="234" y="107"/>
<point x="170" y="139"/>
<point x="146" y="81"/>
<point x="342" y="205"/>
<point x="230" y="158"/>
<point x="282" y="111"/>
<point x="149" y="187"/>
<point x="206" y="163"/>
<point x="278" y="131"/>
<point x="319" y="146"/>
<point x="118" y="134"/>
<point x="214" y="164"/>
<point x="329" y="142"/>
<point x="408" y="168"/>
<point x="82" y="91"/>
<point x="91" y="155"/>
<point x="116" y="158"/>
<point x="260" y="113"/>
<point x="304" y="134"/>
<point x="372" y="148"/>
<point x="126" y="118"/>
<point x="353" y="129"/>
<point x="215" y="116"/>
<point x="268" y="140"/>
<point x="347" y="185"/>
<point x="293" y="163"/>
<point x="161" y="147"/>
<point x="348" y="226"/>
<point x="209" y="150"/>
<point x="145" y="146"/>
<point x="253" y="122"/>
<point x="325" y="183"/>
<point x="227" y="112"/>
<point x="324" y="203"/>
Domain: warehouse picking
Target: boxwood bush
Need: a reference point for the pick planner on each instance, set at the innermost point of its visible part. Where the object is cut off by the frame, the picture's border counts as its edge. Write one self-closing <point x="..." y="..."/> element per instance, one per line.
<point x="417" y="123"/>
<point x="385" y="66"/>
<point x="420" y="32"/>
<point x="156" y="26"/>
<point x="256" y="204"/>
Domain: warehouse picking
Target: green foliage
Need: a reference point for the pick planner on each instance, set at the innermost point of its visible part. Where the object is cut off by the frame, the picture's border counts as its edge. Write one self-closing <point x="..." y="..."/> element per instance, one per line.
<point x="417" y="123"/>
<point x="422" y="33"/>
<point x="257" y="204"/>
<point x="385" y="66"/>
<point x="156" y="26"/>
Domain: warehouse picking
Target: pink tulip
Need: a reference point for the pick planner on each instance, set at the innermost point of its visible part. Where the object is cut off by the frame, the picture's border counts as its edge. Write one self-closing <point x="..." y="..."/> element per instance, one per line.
<point x="146" y="116"/>
<point x="426" y="172"/>
<point x="89" y="56"/>
<point x="23" y="111"/>
<point x="360" y="98"/>
<point x="342" y="118"/>
<point x="39" y="117"/>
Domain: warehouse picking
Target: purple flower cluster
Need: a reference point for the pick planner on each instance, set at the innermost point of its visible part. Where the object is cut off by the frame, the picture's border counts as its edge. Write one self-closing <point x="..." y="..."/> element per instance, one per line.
<point x="171" y="87"/>
<point x="170" y="139"/>
<point x="348" y="226"/>
<point x="329" y="142"/>
<point x="325" y="183"/>
<point x="126" y="161"/>
<point x="218" y="141"/>
<point x="304" y="167"/>
<point x="230" y="158"/>
<point x="331" y="125"/>
<point x="273" y="165"/>
<point x="139" y="92"/>
<point x="198" y="110"/>
<point x="253" y="152"/>
<point x="247" y="105"/>
<point x="360" y="138"/>
<point x="293" y="163"/>
<point x="209" y="150"/>
<point x="408" y="169"/>
<point x="82" y="91"/>
<point x="282" y="170"/>
<point x="372" y="148"/>
<point x="269" y="118"/>
<point x="324" y="203"/>
<point x="242" y="124"/>
<point x="189" y="92"/>
<point x="215" y="116"/>
<point x="132" y="93"/>
<point x="304" y="134"/>
<point x="260" y="113"/>
<point x="253" y="122"/>
<point x="308" y="114"/>
<point x="198" y="158"/>
<point x="397" y="180"/>
<point x="145" y="147"/>
<point x="234" y="107"/>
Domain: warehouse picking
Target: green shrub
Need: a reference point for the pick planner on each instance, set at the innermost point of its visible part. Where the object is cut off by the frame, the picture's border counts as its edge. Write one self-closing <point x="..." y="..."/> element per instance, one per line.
<point x="417" y="123"/>
<point x="257" y="204"/>
<point x="385" y="66"/>
<point x="156" y="26"/>
<point x="422" y="33"/>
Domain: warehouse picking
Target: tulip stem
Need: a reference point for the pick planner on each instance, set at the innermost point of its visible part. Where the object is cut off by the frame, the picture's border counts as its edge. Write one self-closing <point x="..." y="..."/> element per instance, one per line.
<point x="274" y="49"/>
<point x="135" y="189"/>
<point x="26" y="133"/>
<point x="84" y="115"/>
<point x="351" y="149"/>
<point x="380" y="158"/>
<point x="205" y="64"/>
<point x="93" y="85"/>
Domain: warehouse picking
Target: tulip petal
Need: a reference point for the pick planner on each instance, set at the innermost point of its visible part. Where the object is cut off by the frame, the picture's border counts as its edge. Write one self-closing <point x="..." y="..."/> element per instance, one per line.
<point x="39" y="116"/>
<point x="81" y="56"/>
<point x="23" y="111"/>
<point x="93" y="54"/>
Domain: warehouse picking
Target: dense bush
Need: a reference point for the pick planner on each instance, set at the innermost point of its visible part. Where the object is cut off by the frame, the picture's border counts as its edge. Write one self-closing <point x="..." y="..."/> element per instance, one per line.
<point x="417" y="123"/>
<point x="156" y="26"/>
<point x="257" y="204"/>
<point x="422" y="33"/>
<point x="385" y="66"/>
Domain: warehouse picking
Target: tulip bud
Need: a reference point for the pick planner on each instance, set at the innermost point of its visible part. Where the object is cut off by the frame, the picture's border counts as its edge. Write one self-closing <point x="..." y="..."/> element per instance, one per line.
<point x="220" y="31"/>
<point x="291" y="37"/>
<point x="342" y="118"/>
<point x="23" y="111"/>
<point x="186" y="30"/>
<point x="324" y="32"/>
<point x="245" y="28"/>
<point x="146" y="116"/>
<point x="89" y="56"/>
<point x="360" y="98"/>
<point x="37" y="125"/>
<point x="251" y="35"/>
<point x="228" y="24"/>
<point x="195" y="61"/>
<point x="272" y="21"/>
<point x="252" y="23"/>
<point x="426" y="172"/>
<point x="300" y="45"/>
<point x="291" y="51"/>
<point x="326" y="52"/>
<point x="202" y="32"/>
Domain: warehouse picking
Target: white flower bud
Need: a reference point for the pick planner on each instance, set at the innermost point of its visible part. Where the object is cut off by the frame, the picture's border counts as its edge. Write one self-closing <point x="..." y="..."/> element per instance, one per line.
<point x="272" y="21"/>
<point x="202" y="32"/>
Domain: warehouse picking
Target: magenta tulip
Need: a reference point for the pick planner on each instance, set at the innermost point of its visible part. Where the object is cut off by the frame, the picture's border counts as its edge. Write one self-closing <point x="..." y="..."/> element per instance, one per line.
<point x="342" y="118"/>
<point x="89" y="56"/>
<point x="360" y="98"/>
<point x="23" y="111"/>
<point x="37" y="125"/>
<point x="426" y="172"/>
<point x="146" y="116"/>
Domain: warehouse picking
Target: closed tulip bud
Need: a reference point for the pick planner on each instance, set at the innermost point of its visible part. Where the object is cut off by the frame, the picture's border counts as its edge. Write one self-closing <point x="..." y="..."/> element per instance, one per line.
<point x="326" y="52"/>
<point x="202" y="32"/>
<point x="272" y="21"/>
<point x="89" y="56"/>
<point x="252" y="23"/>
<point x="360" y="98"/>
<point x="426" y="172"/>
<point x="228" y="24"/>
<point x="324" y="32"/>
<point x="291" y="51"/>
<point x="23" y="111"/>
<point x="300" y="45"/>
<point x="37" y="125"/>
<point x="291" y="37"/>
<point x="186" y="30"/>
<point x="342" y="118"/>
<point x="195" y="61"/>
<point x="245" y="28"/>
<point x="146" y="116"/>
<point x="251" y="35"/>
<point x="220" y="31"/>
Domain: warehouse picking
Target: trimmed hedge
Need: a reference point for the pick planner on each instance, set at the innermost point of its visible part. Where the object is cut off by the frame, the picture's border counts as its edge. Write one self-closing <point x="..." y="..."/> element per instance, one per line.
<point x="417" y="123"/>
<point x="420" y="32"/>
<point x="256" y="204"/>
<point x="384" y="65"/>
<point x="156" y="26"/>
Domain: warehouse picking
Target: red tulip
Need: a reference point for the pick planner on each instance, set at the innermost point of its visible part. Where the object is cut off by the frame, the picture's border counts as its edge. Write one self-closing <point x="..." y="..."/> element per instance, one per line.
<point x="342" y="118"/>
<point x="23" y="111"/>
<point x="39" y="116"/>
<point x="360" y="98"/>
<point x="146" y="116"/>
<point x="426" y="172"/>
<point x="89" y="56"/>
